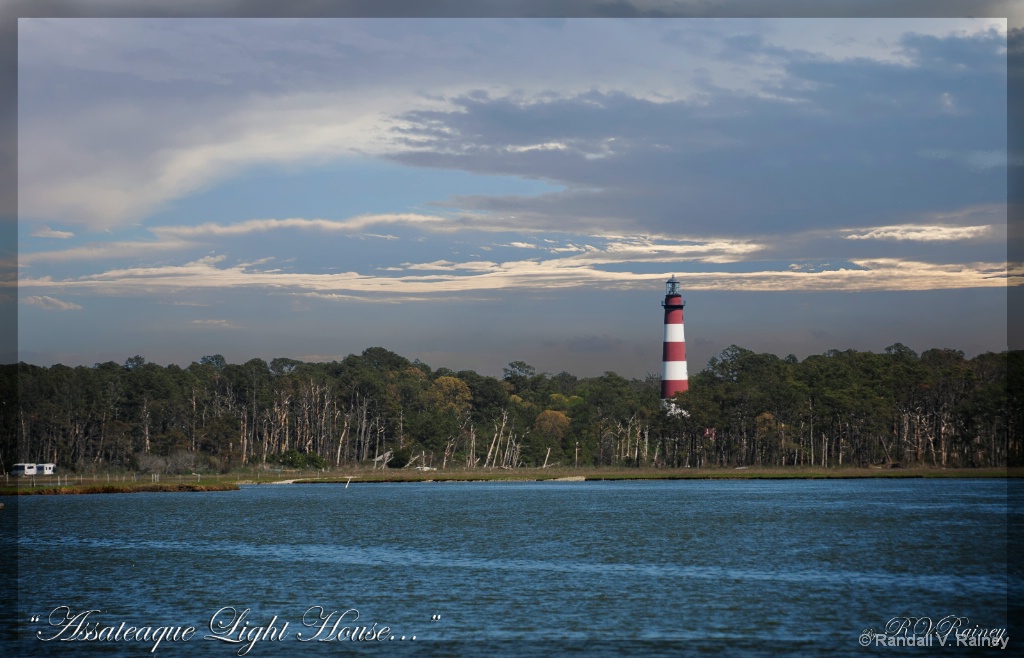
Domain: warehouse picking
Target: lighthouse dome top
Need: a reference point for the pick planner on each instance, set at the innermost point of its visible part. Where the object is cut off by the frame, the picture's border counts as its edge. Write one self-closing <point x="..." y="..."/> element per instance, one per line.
<point x="672" y="286"/>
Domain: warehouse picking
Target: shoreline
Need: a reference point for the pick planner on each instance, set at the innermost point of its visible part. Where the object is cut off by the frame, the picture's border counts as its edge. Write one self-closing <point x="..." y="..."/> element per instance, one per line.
<point x="615" y="474"/>
<point x="78" y="489"/>
<point x="233" y="482"/>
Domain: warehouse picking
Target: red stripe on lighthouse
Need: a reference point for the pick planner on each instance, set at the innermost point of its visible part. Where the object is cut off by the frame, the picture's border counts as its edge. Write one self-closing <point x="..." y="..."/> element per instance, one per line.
<point x="673" y="353"/>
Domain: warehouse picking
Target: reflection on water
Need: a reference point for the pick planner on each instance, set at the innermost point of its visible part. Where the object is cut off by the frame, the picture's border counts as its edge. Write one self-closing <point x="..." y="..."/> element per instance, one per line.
<point x="769" y="567"/>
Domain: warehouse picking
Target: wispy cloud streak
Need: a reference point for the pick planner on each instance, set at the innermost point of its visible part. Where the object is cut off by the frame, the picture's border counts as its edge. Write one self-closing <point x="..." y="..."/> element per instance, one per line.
<point x="47" y="232"/>
<point x="251" y="226"/>
<point x="532" y="275"/>
<point x="920" y="233"/>
<point x="51" y="303"/>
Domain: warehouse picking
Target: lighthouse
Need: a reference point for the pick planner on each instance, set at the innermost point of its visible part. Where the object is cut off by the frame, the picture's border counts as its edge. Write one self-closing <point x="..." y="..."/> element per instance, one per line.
<point x="673" y="353"/>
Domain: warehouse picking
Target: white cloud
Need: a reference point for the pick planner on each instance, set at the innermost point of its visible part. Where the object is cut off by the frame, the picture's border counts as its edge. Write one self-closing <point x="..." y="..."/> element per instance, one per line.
<point x="550" y="146"/>
<point x="47" y="232"/>
<point x="571" y="249"/>
<point x="51" y="303"/>
<point x="207" y="261"/>
<point x="525" y="275"/>
<point x="662" y="249"/>
<point x="918" y="233"/>
<point x="104" y="251"/>
<point x="357" y="223"/>
<point x="258" y="261"/>
<point x="63" y="176"/>
<point x="180" y="238"/>
<point x="216" y="324"/>
<point x="447" y="265"/>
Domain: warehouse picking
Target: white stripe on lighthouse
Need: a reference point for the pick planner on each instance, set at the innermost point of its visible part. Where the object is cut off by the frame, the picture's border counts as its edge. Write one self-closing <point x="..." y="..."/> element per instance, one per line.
<point x="674" y="333"/>
<point x="673" y="370"/>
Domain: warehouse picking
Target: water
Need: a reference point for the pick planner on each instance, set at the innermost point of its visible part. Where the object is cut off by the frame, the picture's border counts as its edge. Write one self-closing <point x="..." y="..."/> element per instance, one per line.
<point x="539" y="568"/>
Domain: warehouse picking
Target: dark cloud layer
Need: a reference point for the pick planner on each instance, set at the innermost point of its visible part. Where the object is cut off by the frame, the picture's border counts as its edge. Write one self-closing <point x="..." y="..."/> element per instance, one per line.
<point x="518" y="8"/>
<point x="839" y="144"/>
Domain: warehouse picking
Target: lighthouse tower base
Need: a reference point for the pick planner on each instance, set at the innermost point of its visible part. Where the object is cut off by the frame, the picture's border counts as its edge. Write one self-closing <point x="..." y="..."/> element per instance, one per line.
<point x="673" y="409"/>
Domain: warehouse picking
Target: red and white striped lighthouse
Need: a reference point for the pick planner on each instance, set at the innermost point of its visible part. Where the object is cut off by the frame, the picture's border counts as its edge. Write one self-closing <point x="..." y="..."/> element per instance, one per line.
<point x="673" y="353"/>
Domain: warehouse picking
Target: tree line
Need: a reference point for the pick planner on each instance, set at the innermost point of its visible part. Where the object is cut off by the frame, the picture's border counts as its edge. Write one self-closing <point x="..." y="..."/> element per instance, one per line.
<point x="840" y="408"/>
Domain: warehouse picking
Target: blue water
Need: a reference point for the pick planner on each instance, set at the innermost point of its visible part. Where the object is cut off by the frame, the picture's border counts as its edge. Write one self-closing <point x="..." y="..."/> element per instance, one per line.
<point x="539" y="568"/>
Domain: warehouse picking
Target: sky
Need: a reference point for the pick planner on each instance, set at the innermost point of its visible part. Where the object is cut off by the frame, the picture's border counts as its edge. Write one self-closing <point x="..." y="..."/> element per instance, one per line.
<point x="471" y="192"/>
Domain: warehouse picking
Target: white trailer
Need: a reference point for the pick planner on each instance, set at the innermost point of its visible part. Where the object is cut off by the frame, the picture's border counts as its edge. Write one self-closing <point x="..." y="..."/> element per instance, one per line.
<point x="23" y="469"/>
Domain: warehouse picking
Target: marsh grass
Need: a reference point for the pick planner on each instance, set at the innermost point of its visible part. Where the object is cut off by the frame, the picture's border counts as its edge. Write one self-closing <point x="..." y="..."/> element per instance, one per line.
<point x="139" y="487"/>
<point x="537" y="474"/>
<point x="231" y="481"/>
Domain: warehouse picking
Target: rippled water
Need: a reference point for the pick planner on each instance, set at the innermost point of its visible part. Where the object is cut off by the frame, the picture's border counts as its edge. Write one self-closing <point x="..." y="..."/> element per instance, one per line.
<point x="763" y="567"/>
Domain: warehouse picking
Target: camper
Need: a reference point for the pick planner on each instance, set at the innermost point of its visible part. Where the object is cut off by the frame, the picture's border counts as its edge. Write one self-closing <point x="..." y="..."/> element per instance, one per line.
<point x="46" y="469"/>
<point x="23" y="469"/>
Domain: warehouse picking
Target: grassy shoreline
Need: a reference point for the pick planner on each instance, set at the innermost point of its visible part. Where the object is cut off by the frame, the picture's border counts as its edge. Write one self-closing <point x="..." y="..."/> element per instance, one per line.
<point x="231" y="482"/>
<point x="616" y="474"/>
<point x="147" y="487"/>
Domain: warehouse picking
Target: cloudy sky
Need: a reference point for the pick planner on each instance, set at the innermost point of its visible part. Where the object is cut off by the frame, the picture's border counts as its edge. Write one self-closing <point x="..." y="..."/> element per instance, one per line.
<point x="471" y="192"/>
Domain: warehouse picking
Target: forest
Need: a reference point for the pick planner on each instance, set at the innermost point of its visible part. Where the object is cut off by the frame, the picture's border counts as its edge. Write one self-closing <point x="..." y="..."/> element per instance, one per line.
<point x="379" y="409"/>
